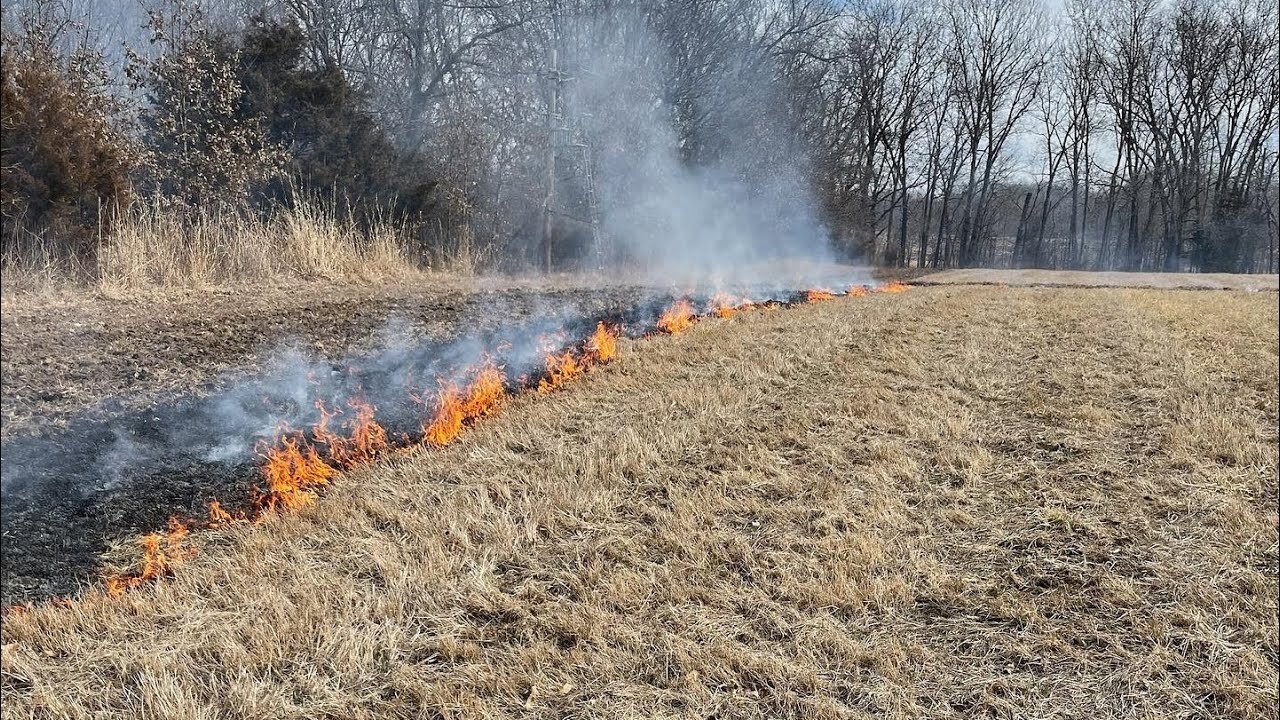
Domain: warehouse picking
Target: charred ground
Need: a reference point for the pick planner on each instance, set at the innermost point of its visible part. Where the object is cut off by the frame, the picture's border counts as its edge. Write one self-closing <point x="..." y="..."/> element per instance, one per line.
<point x="954" y="502"/>
<point x="190" y="433"/>
<point x="66" y="355"/>
<point x="75" y="401"/>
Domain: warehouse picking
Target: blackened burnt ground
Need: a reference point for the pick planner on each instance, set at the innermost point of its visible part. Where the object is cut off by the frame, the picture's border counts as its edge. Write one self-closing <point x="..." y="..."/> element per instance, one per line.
<point x="63" y="356"/>
<point x="118" y="416"/>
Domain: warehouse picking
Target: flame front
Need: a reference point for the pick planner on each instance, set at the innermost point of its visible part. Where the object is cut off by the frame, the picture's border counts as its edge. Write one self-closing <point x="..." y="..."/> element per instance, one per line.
<point x="293" y="471"/>
<point x="893" y="286"/>
<point x="602" y="346"/>
<point x="447" y="422"/>
<point x="560" y="369"/>
<point x="456" y="407"/>
<point x="218" y="516"/>
<point x="367" y="439"/>
<point x="726" y="306"/>
<point x="677" y="318"/>
<point x="162" y="553"/>
<point x="485" y="392"/>
<point x="295" y="468"/>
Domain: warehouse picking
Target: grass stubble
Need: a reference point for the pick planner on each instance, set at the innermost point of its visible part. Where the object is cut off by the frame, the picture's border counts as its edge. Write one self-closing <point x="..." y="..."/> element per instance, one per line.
<point x="954" y="502"/>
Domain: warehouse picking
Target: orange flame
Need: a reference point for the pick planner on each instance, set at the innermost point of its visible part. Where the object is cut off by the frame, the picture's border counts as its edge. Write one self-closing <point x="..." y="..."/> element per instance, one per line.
<point x="366" y="441"/>
<point x="602" y="346"/>
<point x="294" y="468"/>
<point x="485" y="392"/>
<point x="161" y="554"/>
<point x="725" y="306"/>
<point x="219" y="517"/>
<point x="677" y="318"/>
<point x="857" y="291"/>
<point x="455" y="407"/>
<point x="561" y="368"/>
<point x="293" y="471"/>
<point x="446" y="424"/>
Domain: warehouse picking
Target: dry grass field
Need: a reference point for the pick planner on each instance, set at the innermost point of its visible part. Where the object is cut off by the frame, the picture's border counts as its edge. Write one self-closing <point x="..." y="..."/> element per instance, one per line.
<point x="954" y="502"/>
<point x="1082" y="278"/>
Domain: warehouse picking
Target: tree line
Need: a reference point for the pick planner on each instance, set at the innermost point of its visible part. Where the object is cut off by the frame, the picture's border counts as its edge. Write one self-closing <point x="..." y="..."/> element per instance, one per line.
<point x="1107" y="134"/>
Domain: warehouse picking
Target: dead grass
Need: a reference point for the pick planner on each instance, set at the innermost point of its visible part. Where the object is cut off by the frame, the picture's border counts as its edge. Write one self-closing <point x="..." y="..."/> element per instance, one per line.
<point x="1084" y="278"/>
<point x="156" y="247"/>
<point x="954" y="502"/>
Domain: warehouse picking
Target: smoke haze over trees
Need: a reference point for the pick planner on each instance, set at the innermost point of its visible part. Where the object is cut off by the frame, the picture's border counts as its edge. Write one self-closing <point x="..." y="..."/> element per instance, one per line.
<point x="516" y="134"/>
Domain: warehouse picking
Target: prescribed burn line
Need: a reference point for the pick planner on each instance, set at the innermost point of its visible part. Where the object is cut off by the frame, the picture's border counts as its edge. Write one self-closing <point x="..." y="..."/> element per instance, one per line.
<point x="297" y="466"/>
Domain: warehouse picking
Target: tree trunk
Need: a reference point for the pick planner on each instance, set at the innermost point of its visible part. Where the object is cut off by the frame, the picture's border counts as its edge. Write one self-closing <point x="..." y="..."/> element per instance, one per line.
<point x="1020" y="238"/>
<point x="1084" y="211"/>
<point x="1038" y="256"/>
<point x="903" y="259"/>
<point x="924" y="225"/>
<point x="967" y="218"/>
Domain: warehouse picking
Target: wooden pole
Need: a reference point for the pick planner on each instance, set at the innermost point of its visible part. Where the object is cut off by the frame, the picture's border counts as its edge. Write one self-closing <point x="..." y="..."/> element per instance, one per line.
<point x="553" y="113"/>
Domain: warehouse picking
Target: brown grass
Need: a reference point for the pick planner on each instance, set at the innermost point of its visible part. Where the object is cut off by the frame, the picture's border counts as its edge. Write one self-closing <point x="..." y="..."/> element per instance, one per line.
<point x="157" y="247"/>
<point x="954" y="502"/>
<point x="1093" y="279"/>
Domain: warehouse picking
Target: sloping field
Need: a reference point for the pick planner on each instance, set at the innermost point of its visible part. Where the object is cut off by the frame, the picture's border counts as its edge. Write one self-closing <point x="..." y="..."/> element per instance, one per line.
<point x="1080" y="278"/>
<point x="953" y="502"/>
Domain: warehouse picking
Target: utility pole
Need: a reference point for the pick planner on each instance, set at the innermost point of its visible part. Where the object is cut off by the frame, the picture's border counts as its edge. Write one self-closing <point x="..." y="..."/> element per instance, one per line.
<point x="593" y="214"/>
<point x="570" y="140"/>
<point x="555" y="81"/>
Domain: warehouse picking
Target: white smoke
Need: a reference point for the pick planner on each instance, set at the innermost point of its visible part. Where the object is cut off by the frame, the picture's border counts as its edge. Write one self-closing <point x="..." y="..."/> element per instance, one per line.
<point x="718" y="200"/>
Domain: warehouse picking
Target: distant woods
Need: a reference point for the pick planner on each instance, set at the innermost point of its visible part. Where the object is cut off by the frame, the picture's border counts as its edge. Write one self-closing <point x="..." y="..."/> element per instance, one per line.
<point x="1109" y="134"/>
<point x="1119" y="134"/>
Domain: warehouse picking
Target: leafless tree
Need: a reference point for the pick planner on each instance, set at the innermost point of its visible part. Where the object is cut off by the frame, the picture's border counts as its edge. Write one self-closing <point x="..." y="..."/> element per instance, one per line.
<point x="995" y="54"/>
<point x="1147" y="136"/>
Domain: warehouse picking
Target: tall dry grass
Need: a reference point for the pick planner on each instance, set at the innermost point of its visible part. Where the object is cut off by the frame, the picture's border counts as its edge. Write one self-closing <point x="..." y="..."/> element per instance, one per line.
<point x="33" y="264"/>
<point x="155" y="246"/>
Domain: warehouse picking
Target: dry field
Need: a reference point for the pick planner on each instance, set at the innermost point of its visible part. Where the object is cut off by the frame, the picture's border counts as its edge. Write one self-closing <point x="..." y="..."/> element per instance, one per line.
<point x="1080" y="278"/>
<point x="67" y="350"/>
<point x="953" y="502"/>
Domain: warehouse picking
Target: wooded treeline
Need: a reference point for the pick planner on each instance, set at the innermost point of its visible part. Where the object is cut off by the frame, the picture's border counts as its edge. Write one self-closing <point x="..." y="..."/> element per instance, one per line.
<point x="1109" y="134"/>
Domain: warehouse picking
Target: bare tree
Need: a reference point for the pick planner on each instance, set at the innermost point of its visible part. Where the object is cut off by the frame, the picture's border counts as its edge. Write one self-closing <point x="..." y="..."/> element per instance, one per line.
<point x="995" y="52"/>
<point x="911" y="122"/>
<point x="1081" y="67"/>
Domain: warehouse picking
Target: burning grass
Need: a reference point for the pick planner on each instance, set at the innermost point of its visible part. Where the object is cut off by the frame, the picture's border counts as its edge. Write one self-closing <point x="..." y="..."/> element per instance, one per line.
<point x="602" y="346"/>
<point x="458" y="408"/>
<point x="296" y="466"/>
<point x="162" y="553"/>
<point x="677" y="318"/>
<point x="902" y="507"/>
<point x="892" y="287"/>
<point x="347" y="431"/>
